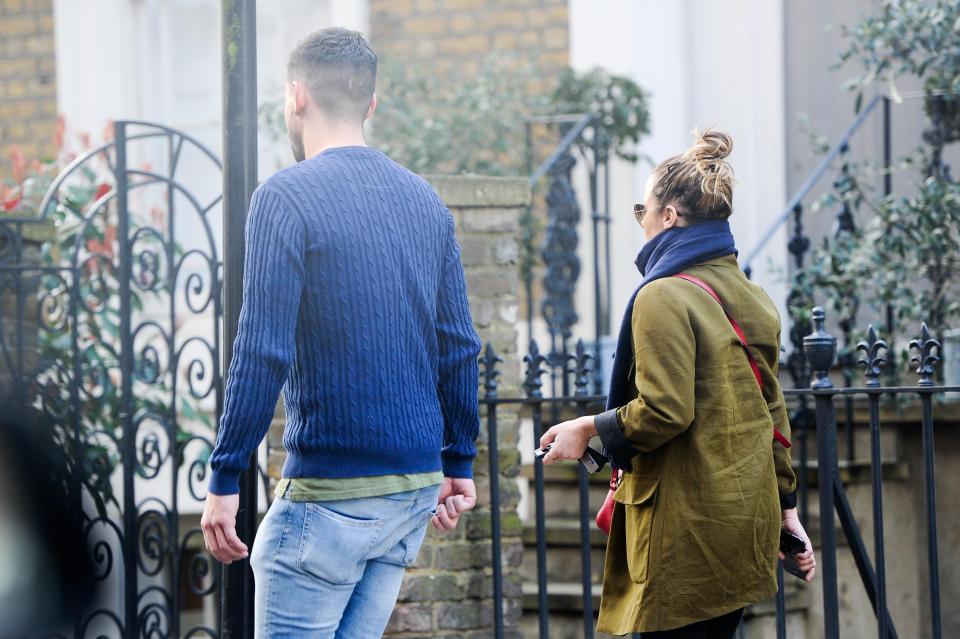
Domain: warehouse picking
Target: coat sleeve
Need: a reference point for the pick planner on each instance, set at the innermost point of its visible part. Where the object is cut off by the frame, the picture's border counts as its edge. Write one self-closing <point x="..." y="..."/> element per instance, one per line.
<point x="665" y="353"/>
<point x="786" y="479"/>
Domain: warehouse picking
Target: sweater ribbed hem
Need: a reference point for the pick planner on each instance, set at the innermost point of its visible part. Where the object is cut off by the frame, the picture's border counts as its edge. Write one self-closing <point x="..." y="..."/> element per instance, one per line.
<point x="340" y="464"/>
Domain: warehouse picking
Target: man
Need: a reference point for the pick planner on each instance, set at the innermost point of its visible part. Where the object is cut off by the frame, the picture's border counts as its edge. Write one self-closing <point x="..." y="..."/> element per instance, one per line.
<point x="354" y="300"/>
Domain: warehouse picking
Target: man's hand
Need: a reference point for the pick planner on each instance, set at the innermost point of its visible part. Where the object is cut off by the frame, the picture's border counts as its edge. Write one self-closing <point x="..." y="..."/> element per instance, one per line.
<point x="568" y="440"/>
<point x="219" y="525"/>
<point x="457" y="496"/>
<point x="805" y="560"/>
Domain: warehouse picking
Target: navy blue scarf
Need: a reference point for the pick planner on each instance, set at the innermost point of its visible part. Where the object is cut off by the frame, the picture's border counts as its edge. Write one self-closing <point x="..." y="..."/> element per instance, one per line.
<point x="667" y="254"/>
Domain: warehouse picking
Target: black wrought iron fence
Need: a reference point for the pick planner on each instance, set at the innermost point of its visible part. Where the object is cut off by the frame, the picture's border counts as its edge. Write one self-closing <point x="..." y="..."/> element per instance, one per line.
<point x="111" y="326"/>
<point x="820" y="350"/>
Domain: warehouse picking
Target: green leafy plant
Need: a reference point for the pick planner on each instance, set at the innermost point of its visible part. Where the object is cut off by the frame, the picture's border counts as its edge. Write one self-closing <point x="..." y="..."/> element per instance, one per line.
<point x="620" y="104"/>
<point x="919" y="38"/>
<point x="904" y="254"/>
<point x="432" y="125"/>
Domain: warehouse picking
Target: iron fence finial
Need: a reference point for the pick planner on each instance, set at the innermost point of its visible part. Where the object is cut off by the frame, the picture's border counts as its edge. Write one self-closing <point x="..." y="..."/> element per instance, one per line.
<point x="531" y="378"/>
<point x="582" y="361"/>
<point x="489" y="362"/>
<point x="874" y="357"/>
<point x="821" y="350"/>
<point x="927" y="357"/>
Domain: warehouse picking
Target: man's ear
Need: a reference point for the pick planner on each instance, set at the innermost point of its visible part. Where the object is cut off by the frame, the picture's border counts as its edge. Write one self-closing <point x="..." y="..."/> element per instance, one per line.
<point x="299" y="97"/>
<point x="372" y="107"/>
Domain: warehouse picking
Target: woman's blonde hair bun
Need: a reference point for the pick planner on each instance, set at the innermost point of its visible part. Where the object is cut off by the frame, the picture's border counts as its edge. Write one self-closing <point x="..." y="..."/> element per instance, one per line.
<point x="700" y="180"/>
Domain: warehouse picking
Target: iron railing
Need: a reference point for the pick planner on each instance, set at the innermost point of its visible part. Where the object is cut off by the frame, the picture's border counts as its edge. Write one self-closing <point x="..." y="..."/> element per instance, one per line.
<point x="582" y="141"/>
<point x="821" y="351"/>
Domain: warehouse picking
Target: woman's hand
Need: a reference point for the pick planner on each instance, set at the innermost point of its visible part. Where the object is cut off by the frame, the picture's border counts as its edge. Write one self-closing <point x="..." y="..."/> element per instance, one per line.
<point x="568" y="440"/>
<point x="806" y="560"/>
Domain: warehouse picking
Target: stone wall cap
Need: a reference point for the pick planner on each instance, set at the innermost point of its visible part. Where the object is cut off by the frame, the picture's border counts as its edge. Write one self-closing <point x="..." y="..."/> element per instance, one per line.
<point x="33" y="230"/>
<point x="481" y="190"/>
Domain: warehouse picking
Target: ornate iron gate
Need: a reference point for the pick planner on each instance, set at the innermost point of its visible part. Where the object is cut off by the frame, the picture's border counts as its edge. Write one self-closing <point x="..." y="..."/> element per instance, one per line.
<point x="112" y="327"/>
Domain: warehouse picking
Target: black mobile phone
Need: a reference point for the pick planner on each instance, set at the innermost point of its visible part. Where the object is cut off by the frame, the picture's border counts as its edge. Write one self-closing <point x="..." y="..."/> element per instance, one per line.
<point x="791" y="546"/>
<point x="591" y="460"/>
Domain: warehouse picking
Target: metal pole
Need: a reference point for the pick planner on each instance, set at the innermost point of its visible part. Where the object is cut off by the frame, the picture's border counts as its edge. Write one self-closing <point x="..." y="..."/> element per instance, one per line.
<point x="820" y="349"/>
<point x="595" y="217"/>
<point x="239" y="33"/>
<point x="608" y="301"/>
<point x="490" y="374"/>
<point x="586" y="547"/>
<point x="827" y="458"/>
<point x="781" y="605"/>
<point x="129" y="443"/>
<point x="926" y="400"/>
<point x="543" y="605"/>
<point x="528" y="235"/>
<point x="876" y="468"/>
<point x="888" y="185"/>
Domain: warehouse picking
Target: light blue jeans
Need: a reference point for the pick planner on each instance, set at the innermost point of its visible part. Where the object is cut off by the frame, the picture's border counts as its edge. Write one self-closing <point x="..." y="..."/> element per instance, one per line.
<point x="333" y="569"/>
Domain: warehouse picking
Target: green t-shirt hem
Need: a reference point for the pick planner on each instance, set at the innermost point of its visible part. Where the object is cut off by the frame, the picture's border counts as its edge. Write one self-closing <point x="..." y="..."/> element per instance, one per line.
<point x="333" y="489"/>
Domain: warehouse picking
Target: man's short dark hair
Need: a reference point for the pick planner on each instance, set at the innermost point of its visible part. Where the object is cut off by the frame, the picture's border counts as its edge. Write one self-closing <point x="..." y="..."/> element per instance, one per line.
<point x="339" y="69"/>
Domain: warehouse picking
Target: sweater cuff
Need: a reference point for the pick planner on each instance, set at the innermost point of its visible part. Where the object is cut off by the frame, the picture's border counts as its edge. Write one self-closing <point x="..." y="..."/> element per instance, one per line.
<point x="615" y="443"/>
<point x="224" y="483"/>
<point x="788" y="501"/>
<point x="457" y="467"/>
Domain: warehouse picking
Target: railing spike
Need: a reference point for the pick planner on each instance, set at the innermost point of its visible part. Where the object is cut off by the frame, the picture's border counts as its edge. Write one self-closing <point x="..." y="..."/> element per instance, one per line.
<point x="534" y="361"/>
<point x="874" y="357"/>
<point x="927" y="357"/>
<point x="582" y="360"/>
<point x="489" y="360"/>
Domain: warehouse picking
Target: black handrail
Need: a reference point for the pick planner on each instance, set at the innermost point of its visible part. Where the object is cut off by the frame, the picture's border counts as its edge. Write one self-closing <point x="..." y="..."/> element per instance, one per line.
<point x="840" y="147"/>
<point x="565" y="143"/>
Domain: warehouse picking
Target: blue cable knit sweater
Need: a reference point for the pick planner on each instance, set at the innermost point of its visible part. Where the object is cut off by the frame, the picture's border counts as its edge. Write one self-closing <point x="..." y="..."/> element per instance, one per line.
<point x="354" y="301"/>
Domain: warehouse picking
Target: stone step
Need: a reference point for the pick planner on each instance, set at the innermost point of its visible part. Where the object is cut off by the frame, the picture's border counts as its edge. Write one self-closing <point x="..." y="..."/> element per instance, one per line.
<point x="564" y="558"/>
<point x="561" y="492"/>
<point x="857" y="471"/>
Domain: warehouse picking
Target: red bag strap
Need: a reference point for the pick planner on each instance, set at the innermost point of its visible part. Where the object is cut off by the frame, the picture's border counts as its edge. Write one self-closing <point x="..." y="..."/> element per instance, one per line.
<point x="743" y="341"/>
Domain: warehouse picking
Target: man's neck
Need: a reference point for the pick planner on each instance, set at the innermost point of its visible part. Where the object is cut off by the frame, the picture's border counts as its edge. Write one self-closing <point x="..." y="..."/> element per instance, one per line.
<point x="319" y="139"/>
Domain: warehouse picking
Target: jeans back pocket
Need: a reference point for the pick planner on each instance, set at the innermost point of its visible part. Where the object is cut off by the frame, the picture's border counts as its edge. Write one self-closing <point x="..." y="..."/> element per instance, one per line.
<point x="335" y="544"/>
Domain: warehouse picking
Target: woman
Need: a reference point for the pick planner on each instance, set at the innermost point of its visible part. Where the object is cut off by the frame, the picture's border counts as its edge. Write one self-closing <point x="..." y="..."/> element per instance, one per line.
<point x="707" y="483"/>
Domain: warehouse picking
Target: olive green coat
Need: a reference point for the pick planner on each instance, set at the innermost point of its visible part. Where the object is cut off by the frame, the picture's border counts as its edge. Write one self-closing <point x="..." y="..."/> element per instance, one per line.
<point x="696" y="524"/>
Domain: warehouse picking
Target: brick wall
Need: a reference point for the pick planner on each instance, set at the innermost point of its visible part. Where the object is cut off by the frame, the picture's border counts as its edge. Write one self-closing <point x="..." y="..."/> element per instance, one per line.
<point x="451" y="37"/>
<point x="449" y="591"/>
<point x="28" y="99"/>
<point x="20" y="305"/>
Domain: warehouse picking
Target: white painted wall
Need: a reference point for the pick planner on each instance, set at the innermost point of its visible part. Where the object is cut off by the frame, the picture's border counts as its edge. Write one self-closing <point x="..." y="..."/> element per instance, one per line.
<point x="704" y="63"/>
<point x="159" y="60"/>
